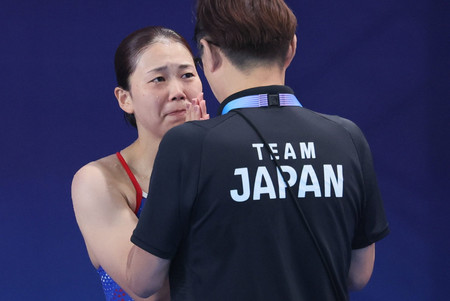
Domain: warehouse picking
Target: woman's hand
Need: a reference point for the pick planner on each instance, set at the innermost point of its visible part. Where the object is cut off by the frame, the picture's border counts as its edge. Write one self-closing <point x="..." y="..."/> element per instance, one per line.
<point x="196" y="109"/>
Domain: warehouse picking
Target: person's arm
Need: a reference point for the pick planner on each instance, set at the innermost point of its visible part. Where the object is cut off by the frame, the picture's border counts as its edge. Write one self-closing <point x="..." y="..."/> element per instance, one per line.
<point x="372" y="224"/>
<point x="361" y="267"/>
<point x="145" y="272"/>
<point x="105" y="220"/>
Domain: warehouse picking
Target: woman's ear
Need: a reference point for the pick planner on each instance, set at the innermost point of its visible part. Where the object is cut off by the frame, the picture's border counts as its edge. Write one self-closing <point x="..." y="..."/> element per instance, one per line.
<point x="291" y="51"/>
<point x="124" y="99"/>
<point x="212" y="56"/>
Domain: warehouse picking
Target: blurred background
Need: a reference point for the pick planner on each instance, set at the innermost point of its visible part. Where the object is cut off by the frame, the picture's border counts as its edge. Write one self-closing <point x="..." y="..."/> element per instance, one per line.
<point x="383" y="64"/>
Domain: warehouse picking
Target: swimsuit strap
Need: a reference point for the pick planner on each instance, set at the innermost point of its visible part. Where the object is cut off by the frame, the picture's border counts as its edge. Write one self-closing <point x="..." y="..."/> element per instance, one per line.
<point x="133" y="180"/>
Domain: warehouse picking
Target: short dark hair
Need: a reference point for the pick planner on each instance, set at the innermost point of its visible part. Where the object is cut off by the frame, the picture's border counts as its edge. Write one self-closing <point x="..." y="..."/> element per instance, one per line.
<point x="248" y="31"/>
<point x="129" y="50"/>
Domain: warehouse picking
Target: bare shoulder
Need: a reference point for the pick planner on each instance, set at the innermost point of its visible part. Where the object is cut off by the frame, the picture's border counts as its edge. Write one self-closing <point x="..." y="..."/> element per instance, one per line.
<point x="94" y="172"/>
<point x="98" y="180"/>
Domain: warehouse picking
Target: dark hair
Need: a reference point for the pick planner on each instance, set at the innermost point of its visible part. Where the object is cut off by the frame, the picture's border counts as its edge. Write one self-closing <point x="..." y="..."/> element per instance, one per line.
<point x="248" y="31"/>
<point x="129" y="50"/>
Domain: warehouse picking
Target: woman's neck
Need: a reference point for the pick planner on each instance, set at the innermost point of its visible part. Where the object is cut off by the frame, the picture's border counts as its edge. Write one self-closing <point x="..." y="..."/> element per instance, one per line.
<point x="140" y="157"/>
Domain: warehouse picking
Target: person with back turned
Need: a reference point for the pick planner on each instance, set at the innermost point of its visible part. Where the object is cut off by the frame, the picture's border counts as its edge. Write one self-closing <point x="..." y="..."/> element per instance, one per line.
<point x="269" y="200"/>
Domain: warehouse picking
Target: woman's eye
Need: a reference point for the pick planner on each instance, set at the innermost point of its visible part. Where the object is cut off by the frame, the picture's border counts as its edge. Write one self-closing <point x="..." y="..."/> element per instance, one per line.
<point x="188" y="75"/>
<point x="158" y="79"/>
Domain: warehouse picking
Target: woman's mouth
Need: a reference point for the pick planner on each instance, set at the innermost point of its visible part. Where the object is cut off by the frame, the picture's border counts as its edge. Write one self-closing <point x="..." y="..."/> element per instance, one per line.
<point x="177" y="113"/>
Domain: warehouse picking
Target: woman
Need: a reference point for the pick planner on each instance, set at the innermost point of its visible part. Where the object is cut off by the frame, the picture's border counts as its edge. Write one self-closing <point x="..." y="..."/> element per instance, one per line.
<point x="158" y="88"/>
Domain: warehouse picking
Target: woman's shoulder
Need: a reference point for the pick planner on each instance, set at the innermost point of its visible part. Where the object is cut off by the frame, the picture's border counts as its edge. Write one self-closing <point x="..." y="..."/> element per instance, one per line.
<point x="105" y="167"/>
<point x="98" y="177"/>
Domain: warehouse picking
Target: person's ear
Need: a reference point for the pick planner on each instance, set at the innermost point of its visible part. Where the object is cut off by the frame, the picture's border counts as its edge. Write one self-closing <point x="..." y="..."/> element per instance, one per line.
<point x="291" y="51"/>
<point x="212" y="56"/>
<point x="124" y="99"/>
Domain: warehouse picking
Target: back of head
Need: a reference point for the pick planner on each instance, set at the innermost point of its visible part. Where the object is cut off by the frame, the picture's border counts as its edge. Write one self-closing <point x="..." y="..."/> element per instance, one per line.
<point x="249" y="32"/>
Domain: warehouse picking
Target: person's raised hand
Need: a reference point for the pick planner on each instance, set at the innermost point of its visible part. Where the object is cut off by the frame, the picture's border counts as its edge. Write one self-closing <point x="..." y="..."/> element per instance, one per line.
<point x="196" y="109"/>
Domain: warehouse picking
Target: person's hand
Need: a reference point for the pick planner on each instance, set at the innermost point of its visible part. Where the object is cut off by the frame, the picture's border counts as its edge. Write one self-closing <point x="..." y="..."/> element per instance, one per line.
<point x="196" y="109"/>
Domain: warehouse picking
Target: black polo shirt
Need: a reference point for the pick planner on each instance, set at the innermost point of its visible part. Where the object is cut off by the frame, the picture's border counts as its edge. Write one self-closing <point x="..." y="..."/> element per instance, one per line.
<point x="220" y="211"/>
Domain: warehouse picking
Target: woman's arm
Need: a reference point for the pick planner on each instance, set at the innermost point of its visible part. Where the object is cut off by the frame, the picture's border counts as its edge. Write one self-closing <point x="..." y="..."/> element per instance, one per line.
<point x="105" y="220"/>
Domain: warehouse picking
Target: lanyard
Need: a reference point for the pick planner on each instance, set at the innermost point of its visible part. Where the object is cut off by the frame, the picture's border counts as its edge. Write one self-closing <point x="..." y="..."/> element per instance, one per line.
<point x="262" y="100"/>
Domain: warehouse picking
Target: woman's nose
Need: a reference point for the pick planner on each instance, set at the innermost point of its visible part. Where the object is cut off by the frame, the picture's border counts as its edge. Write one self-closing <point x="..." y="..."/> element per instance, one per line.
<point x="177" y="91"/>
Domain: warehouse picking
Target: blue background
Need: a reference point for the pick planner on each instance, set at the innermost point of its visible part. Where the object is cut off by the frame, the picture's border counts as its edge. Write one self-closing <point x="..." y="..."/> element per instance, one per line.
<point x="383" y="64"/>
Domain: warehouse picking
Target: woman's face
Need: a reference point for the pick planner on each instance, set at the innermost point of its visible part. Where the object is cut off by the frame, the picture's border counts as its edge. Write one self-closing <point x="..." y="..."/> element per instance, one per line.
<point x="165" y="79"/>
